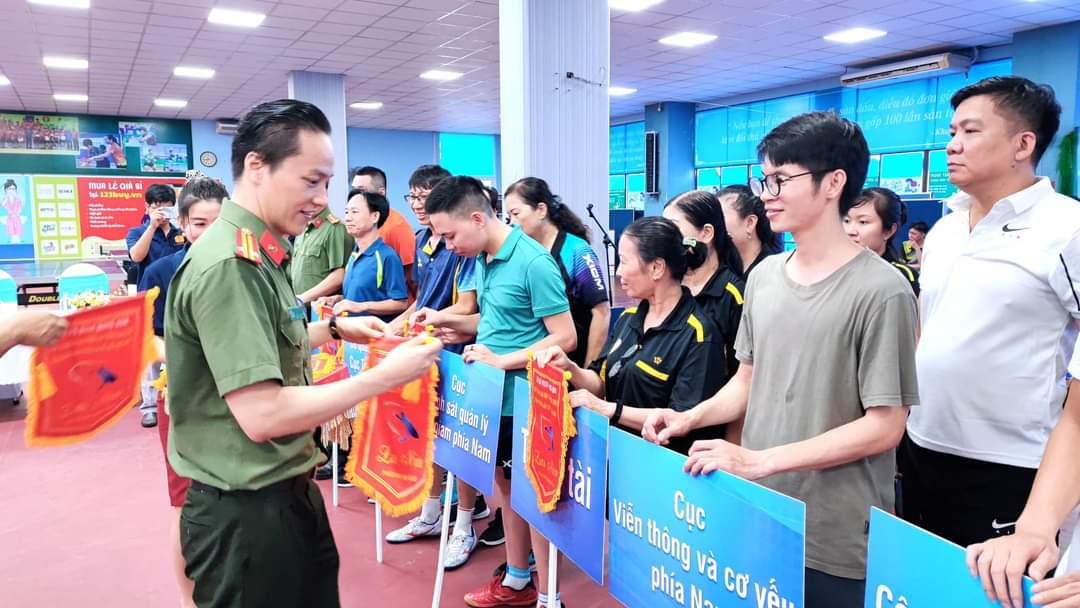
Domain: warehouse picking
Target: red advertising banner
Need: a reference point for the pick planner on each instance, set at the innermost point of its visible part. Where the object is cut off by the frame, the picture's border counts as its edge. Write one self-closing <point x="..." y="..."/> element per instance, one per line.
<point x="109" y="206"/>
<point x="393" y="440"/>
<point x="551" y="425"/>
<point x="91" y="377"/>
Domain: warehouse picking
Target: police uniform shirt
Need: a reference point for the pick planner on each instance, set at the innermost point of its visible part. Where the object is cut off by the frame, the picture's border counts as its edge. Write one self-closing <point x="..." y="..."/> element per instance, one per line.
<point x="670" y="365"/>
<point x="323" y="247"/>
<point x="232" y="320"/>
<point x="161" y="245"/>
<point x="721" y="301"/>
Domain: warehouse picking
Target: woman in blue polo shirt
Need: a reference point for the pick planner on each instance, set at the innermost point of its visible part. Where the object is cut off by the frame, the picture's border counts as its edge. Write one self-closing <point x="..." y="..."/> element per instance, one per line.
<point x="542" y="216"/>
<point x="663" y="351"/>
<point x="374" y="277"/>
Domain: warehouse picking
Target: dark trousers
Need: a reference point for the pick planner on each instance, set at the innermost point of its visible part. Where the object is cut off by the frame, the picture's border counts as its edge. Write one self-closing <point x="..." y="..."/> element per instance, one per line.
<point x="268" y="548"/>
<point x="963" y="500"/>
<point x="828" y="591"/>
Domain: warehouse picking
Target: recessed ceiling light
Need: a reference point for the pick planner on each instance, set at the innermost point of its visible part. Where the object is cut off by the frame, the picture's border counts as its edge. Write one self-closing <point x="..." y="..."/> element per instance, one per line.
<point x="4" y="81"/>
<point x="632" y="5"/>
<point x="687" y="39"/>
<point x="366" y="105"/>
<point x="855" y="34"/>
<point x="63" y="3"/>
<point x="225" y="16"/>
<point x="620" y="91"/>
<point x="65" y="63"/>
<point x="70" y="97"/>
<point x="170" y="103"/>
<point x="440" y="75"/>
<point x="187" y="71"/>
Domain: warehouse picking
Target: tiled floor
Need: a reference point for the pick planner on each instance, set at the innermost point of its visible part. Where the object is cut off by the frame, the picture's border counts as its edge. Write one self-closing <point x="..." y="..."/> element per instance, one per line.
<point x="86" y="525"/>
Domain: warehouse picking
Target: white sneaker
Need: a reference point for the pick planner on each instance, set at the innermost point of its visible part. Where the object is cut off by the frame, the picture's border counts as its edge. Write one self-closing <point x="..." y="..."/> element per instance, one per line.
<point x="458" y="549"/>
<point x="416" y="528"/>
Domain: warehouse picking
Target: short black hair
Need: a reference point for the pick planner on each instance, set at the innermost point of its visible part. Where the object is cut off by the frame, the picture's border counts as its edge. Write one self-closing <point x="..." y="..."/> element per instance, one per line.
<point x="921" y="226"/>
<point x="160" y="193"/>
<point x="821" y="142"/>
<point x="459" y="195"/>
<point x="425" y="177"/>
<point x="374" y="173"/>
<point x="200" y="188"/>
<point x="1031" y="107"/>
<point x="272" y="130"/>
<point x="375" y="202"/>
<point x="658" y="238"/>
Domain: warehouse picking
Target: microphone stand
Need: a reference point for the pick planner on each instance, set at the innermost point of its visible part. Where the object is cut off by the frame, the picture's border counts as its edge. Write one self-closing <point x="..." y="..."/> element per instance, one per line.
<point x="607" y="260"/>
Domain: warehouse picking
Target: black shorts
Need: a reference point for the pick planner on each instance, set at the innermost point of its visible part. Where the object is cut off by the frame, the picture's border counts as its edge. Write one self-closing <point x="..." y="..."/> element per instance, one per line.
<point x="961" y="499"/>
<point x="504" y="453"/>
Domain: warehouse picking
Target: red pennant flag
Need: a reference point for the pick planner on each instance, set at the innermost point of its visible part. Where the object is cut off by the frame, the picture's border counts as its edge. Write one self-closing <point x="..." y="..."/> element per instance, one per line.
<point x="92" y="376"/>
<point x="393" y="439"/>
<point x="551" y="425"/>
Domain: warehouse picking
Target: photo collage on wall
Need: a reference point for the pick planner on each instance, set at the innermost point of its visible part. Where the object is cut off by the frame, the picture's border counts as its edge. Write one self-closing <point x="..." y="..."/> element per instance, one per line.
<point x="72" y="186"/>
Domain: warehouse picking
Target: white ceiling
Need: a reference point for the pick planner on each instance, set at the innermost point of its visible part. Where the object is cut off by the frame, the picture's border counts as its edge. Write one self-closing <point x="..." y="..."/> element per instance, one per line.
<point x="383" y="45"/>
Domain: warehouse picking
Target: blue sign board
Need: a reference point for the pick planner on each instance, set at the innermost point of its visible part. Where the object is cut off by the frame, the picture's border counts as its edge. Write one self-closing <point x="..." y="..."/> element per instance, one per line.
<point x="355" y="357"/>
<point x="907" y="566"/>
<point x="467" y="429"/>
<point x="576" y="526"/>
<point x="706" y="541"/>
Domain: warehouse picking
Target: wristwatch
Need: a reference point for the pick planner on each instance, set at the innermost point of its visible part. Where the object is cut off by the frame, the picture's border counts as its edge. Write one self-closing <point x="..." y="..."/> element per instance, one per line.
<point x="332" y="326"/>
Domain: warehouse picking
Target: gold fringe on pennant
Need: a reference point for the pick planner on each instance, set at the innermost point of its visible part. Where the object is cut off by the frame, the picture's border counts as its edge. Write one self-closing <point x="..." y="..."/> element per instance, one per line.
<point x="569" y="430"/>
<point x="43" y="387"/>
<point x="366" y="418"/>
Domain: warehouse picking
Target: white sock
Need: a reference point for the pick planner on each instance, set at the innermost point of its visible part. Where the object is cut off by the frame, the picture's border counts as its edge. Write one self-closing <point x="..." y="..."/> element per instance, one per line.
<point x="517" y="583"/>
<point x="463" y="525"/>
<point x="429" y="514"/>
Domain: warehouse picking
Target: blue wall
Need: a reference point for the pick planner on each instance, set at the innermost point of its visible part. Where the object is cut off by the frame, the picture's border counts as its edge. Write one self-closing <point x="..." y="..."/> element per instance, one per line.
<point x="397" y="153"/>
<point x="1052" y="55"/>
<point x="205" y="139"/>
<point x="674" y="125"/>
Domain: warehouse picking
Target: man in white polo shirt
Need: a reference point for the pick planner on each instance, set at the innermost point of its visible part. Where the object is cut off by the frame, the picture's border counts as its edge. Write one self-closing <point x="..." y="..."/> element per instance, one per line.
<point x="999" y="300"/>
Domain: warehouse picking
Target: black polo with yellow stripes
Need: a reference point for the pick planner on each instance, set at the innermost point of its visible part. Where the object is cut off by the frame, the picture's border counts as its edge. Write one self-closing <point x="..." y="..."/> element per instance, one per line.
<point x="670" y="365"/>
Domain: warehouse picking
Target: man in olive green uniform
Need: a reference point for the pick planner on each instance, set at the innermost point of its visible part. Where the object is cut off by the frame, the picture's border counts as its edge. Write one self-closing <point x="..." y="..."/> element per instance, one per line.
<point x="320" y="254"/>
<point x="253" y="528"/>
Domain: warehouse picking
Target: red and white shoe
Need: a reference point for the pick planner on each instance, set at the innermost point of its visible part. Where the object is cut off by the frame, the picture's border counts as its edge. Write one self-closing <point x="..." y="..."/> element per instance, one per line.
<point x="496" y="594"/>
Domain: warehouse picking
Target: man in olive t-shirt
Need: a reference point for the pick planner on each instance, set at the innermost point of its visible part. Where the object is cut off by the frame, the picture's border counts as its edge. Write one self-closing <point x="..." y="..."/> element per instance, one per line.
<point x="826" y="348"/>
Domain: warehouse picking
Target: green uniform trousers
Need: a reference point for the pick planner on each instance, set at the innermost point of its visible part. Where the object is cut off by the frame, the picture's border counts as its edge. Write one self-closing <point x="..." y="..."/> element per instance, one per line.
<point x="269" y="548"/>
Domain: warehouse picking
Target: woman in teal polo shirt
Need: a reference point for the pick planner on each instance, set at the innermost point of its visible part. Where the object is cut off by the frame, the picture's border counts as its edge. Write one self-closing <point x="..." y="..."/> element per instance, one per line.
<point x="374" y="276"/>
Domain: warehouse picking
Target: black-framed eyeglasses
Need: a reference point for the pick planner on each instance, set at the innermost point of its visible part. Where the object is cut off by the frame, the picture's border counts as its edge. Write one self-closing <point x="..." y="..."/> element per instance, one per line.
<point x="773" y="183"/>
<point x="411" y="198"/>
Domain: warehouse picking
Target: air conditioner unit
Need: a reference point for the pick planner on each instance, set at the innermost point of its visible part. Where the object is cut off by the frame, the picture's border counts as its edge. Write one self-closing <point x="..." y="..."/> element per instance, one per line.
<point x="909" y="69"/>
<point x="227" y="126"/>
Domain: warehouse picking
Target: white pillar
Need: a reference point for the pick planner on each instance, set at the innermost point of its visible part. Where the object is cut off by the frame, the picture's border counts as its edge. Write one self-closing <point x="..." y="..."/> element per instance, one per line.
<point x="553" y="125"/>
<point x="327" y="91"/>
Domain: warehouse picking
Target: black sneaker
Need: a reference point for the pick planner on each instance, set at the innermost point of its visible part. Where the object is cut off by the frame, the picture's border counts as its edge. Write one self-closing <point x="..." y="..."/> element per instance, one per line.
<point x="493" y="535"/>
<point x="324" y="472"/>
<point x="500" y="570"/>
<point x="341" y="481"/>
<point x="480" y="509"/>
